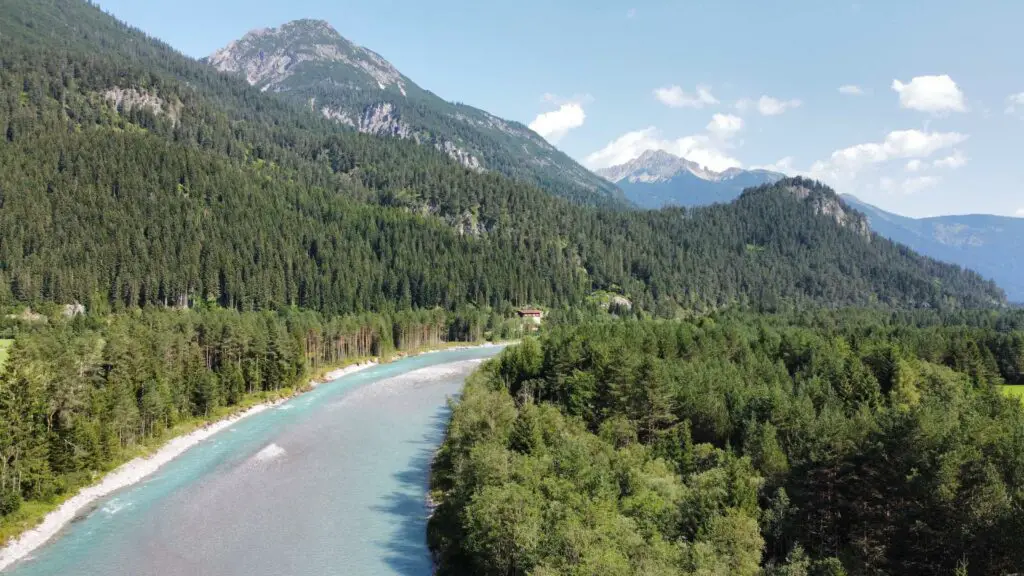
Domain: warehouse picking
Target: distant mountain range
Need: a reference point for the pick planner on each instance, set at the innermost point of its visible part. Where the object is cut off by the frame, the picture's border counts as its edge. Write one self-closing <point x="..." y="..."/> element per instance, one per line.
<point x="310" y="61"/>
<point x="657" y="179"/>
<point x="990" y="245"/>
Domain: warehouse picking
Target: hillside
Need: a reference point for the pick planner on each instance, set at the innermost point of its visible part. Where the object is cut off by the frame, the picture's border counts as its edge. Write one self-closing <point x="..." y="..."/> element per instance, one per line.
<point x="133" y="175"/>
<point x="657" y="179"/>
<point x="990" y="245"/>
<point x="310" y="62"/>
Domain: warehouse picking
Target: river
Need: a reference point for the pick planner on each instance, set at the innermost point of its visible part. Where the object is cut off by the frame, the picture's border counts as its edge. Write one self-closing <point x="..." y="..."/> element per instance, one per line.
<point x="330" y="482"/>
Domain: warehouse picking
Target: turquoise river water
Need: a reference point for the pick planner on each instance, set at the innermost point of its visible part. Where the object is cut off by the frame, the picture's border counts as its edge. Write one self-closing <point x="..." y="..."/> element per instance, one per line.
<point x="330" y="482"/>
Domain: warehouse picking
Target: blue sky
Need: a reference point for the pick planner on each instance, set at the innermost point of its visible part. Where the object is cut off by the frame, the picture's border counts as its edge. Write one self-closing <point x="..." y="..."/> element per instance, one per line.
<point x="928" y="123"/>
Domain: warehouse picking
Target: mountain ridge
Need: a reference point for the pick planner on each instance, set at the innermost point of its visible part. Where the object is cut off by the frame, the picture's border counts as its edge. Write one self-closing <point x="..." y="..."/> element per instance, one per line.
<point x="658" y="178"/>
<point x="310" y="61"/>
<point x="989" y="244"/>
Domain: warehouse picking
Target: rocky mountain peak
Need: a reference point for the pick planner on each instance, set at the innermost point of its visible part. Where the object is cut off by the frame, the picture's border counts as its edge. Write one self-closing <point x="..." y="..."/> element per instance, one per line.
<point x="657" y="166"/>
<point x="311" y="24"/>
<point x="651" y="166"/>
<point x="652" y="157"/>
<point x="310" y="63"/>
<point x="272" y="58"/>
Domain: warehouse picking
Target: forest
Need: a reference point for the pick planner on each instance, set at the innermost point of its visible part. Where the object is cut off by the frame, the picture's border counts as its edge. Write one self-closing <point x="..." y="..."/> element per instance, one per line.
<point x="824" y="443"/>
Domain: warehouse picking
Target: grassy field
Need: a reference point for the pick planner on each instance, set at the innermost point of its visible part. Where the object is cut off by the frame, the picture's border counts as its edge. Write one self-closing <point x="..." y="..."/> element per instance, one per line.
<point x="1017" y="391"/>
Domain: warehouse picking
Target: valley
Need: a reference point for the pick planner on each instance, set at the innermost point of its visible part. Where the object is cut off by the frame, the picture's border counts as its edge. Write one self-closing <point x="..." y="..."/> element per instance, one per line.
<point x="715" y="371"/>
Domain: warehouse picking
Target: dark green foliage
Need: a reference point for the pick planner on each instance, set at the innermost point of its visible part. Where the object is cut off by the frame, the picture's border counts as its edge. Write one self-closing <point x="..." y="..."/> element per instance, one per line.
<point x="819" y="443"/>
<point x="10" y="501"/>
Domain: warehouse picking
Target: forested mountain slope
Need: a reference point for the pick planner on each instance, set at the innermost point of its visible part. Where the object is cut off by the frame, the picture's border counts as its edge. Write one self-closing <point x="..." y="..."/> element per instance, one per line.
<point x="134" y="176"/>
<point x="991" y="245"/>
<point x="310" y="62"/>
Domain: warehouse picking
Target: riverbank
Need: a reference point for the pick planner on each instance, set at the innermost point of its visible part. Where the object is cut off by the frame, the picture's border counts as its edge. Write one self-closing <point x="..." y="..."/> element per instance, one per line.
<point x="46" y="520"/>
<point x="137" y="469"/>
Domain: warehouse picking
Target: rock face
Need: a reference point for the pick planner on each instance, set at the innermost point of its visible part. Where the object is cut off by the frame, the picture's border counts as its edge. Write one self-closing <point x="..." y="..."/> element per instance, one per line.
<point x="128" y="99"/>
<point x="72" y="310"/>
<point x="308" y="60"/>
<point x="829" y="204"/>
<point x="657" y="179"/>
<point x="270" y="56"/>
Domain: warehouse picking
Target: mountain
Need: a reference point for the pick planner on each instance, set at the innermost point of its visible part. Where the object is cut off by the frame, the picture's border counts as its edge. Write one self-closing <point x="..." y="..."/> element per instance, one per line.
<point x="657" y="179"/>
<point x="310" y="62"/>
<point x="990" y="245"/>
<point x="133" y="176"/>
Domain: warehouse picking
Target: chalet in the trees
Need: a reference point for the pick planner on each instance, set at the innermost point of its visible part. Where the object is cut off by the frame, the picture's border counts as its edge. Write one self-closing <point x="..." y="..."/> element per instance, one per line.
<point x="532" y="314"/>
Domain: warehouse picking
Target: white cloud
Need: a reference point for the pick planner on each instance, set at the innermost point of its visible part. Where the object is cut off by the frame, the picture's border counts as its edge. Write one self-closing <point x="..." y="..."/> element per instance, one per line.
<point x="844" y="164"/>
<point x="915" y="185"/>
<point x="631" y="13"/>
<point x="909" y="185"/>
<point x="1020" y="212"/>
<point x="784" y="165"/>
<point x="725" y="126"/>
<point x="851" y="90"/>
<point x="933" y="94"/>
<point x="767" y="105"/>
<point x="553" y="126"/>
<point x="676" y="97"/>
<point x="1015" y="103"/>
<point x="698" y="148"/>
<point x="914" y="165"/>
<point x="955" y="160"/>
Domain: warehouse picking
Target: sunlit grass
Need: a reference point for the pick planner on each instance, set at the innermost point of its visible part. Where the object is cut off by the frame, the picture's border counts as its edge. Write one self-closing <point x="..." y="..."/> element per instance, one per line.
<point x="5" y="351"/>
<point x="1016" y="391"/>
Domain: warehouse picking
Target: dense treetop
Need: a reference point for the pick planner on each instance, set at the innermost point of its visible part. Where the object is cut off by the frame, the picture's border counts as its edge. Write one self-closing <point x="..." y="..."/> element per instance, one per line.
<point x="817" y="443"/>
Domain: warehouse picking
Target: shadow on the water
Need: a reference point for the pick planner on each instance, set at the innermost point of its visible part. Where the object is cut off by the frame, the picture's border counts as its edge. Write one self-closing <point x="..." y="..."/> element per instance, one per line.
<point x="407" y="552"/>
